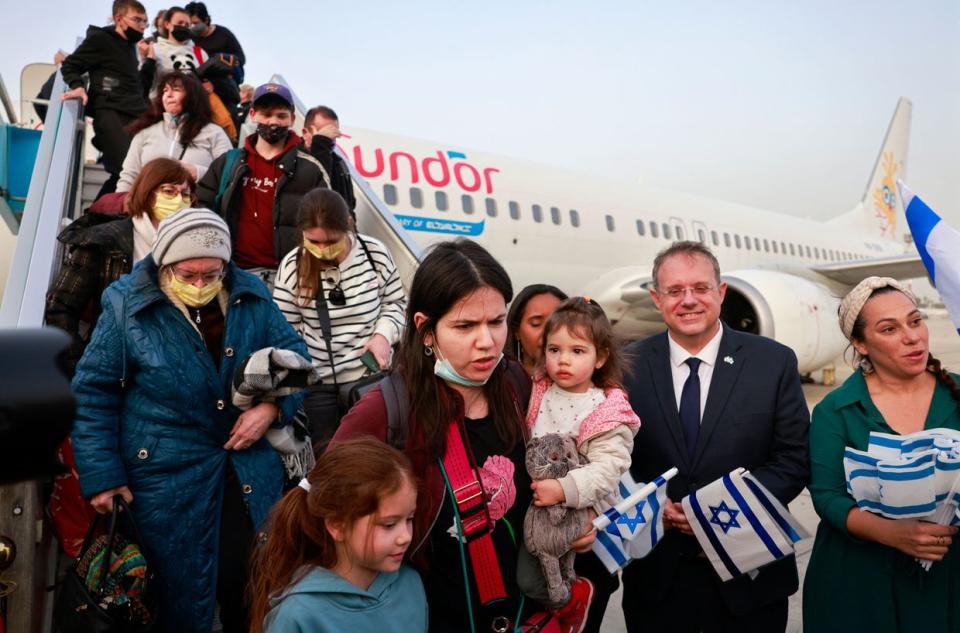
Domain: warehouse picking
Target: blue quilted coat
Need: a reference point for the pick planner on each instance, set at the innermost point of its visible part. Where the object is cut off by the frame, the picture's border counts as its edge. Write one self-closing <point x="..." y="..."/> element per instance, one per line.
<point x="153" y="413"/>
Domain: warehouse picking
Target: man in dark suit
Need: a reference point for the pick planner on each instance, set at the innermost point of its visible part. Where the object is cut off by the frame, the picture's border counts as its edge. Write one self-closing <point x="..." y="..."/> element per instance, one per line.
<point x="710" y="399"/>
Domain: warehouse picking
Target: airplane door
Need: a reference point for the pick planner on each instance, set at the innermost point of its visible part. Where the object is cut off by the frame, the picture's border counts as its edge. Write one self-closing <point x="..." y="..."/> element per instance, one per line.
<point x="680" y="229"/>
<point x="699" y="231"/>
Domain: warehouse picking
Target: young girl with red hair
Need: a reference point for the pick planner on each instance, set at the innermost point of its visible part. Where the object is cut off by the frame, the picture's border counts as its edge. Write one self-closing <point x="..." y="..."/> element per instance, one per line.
<point x="333" y="558"/>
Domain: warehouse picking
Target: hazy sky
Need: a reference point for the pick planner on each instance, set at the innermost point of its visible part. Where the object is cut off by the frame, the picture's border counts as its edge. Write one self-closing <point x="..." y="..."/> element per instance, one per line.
<point x="780" y="105"/>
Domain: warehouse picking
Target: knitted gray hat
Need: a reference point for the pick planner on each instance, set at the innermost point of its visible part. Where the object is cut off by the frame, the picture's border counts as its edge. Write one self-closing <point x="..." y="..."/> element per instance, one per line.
<point x="191" y="233"/>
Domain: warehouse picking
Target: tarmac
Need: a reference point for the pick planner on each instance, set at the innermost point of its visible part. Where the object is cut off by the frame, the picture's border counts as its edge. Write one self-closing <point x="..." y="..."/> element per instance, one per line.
<point x="944" y="345"/>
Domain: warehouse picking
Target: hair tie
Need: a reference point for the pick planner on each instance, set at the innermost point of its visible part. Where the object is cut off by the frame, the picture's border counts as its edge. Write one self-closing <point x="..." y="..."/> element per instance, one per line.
<point x="305" y="484"/>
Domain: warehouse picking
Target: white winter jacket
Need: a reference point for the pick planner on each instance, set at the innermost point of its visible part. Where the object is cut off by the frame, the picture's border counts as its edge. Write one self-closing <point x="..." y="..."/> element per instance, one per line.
<point x="162" y="139"/>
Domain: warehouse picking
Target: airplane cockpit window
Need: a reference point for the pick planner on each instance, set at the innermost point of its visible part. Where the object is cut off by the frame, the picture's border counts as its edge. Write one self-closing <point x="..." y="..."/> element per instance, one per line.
<point x="574" y="218"/>
<point x="555" y="215"/>
<point x="467" y="202"/>
<point x="491" y="207"/>
<point x="537" y="213"/>
<point x="611" y="225"/>
<point x="441" y="199"/>
<point x="514" y="210"/>
<point x="390" y="194"/>
<point x="736" y="240"/>
<point x="416" y="197"/>
<point x="641" y="229"/>
<point x="714" y="238"/>
<point x="653" y="230"/>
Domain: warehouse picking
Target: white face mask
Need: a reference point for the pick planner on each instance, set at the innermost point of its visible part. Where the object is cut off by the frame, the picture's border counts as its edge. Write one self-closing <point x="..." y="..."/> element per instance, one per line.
<point x="444" y="370"/>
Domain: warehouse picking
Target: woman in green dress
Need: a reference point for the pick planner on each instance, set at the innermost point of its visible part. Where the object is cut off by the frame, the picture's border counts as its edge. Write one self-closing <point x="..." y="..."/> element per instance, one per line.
<point x="863" y="573"/>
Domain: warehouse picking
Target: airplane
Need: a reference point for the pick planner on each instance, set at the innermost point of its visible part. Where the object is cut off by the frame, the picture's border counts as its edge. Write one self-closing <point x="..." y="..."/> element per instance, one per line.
<point x="785" y="274"/>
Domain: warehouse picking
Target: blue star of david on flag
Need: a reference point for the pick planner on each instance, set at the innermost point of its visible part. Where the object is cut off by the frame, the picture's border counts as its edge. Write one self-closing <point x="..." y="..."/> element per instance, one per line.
<point x="632" y="522"/>
<point x="723" y="508"/>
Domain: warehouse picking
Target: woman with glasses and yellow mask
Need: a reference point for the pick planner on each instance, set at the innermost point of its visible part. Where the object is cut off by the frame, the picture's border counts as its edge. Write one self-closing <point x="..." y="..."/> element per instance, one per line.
<point x="341" y="291"/>
<point x="101" y="248"/>
<point x="155" y="423"/>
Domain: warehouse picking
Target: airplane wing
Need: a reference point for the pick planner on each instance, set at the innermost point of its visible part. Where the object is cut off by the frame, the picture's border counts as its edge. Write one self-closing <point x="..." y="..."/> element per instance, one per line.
<point x="852" y="273"/>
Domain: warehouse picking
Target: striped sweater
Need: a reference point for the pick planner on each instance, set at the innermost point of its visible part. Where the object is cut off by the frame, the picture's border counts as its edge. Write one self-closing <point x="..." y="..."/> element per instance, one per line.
<point x="375" y="305"/>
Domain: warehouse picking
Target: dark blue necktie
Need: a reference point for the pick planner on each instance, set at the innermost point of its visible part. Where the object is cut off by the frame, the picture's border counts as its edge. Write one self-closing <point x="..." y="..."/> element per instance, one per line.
<point x="690" y="406"/>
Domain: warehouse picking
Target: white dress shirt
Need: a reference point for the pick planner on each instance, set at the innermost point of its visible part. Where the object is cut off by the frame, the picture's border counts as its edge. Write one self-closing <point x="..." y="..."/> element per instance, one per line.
<point x="680" y="370"/>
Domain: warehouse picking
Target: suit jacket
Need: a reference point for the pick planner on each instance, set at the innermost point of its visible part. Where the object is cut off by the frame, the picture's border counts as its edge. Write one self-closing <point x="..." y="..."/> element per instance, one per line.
<point x="755" y="416"/>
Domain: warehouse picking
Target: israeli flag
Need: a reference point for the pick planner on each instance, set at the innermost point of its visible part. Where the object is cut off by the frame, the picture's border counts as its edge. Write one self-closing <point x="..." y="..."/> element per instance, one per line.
<point x="633" y="525"/>
<point x="938" y="244"/>
<point x="740" y="525"/>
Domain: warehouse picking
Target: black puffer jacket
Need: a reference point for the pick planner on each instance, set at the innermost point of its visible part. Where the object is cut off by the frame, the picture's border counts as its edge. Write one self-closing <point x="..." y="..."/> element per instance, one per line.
<point x="111" y="61"/>
<point x="301" y="173"/>
<point x="99" y="251"/>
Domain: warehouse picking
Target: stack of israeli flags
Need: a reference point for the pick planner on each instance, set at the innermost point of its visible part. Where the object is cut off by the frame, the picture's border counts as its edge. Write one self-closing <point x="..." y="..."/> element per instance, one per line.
<point x="938" y="245"/>
<point x="908" y="476"/>
<point x="740" y="525"/>
<point x="633" y="524"/>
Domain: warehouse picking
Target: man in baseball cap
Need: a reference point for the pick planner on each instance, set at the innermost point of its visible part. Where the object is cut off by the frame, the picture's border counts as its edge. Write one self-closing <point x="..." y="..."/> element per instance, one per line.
<point x="266" y="179"/>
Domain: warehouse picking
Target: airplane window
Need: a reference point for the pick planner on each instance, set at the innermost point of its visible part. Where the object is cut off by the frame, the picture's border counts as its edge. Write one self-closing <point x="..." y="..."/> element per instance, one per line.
<point x="808" y="252"/>
<point x="756" y="243"/>
<point x="574" y="218"/>
<point x="726" y="240"/>
<point x="555" y="215"/>
<point x="736" y="239"/>
<point x="491" y="207"/>
<point x="514" y="210"/>
<point x="816" y="252"/>
<point x="390" y="194"/>
<point x="783" y="248"/>
<point x="774" y="244"/>
<point x="680" y="233"/>
<point x="714" y="238"/>
<point x="416" y="197"/>
<point x="702" y="236"/>
<point x="611" y="226"/>
<point x="667" y="233"/>
<point x="641" y="229"/>
<point x="766" y="245"/>
<point x="791" y="250"/>
<point x="537" y="213"/>
<point x="746" y="242"/>
<point x="467" y="202"/>
<point x="654" y="232"/>
<point x="441" y="198"/>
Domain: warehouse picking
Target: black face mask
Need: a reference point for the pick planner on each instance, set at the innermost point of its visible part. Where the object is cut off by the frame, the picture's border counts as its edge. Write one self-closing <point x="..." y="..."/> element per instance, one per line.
<point x="180" y="33"/>
<point x="273" y="134"/>
<point x="133" y="35"/>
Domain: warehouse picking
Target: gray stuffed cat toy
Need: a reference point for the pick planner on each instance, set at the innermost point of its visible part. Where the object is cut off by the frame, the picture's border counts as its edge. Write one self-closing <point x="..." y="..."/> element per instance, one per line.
<point x="549" y="531"/>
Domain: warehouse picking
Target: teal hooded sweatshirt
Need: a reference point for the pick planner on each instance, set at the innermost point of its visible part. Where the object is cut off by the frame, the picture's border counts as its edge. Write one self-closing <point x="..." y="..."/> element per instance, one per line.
<point x="323" y="602"/>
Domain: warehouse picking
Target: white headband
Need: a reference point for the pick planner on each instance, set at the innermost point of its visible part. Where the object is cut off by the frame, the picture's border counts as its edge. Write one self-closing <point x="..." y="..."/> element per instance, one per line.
<point x="304" y="484"/>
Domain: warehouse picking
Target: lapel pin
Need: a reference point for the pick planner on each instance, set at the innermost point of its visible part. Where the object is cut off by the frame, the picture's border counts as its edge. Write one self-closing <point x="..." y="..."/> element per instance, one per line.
<point x="728" y="360"/>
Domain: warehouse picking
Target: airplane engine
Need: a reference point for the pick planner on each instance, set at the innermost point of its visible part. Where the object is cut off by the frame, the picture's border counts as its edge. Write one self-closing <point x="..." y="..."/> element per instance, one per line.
<point x="795" y="311"/>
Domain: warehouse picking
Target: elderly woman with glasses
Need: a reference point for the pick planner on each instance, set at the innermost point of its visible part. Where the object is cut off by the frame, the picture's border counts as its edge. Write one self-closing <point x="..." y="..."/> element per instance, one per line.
<point x="155" y="423"/>
<point x="342" y="292"/>
<point x="101" y="247"/>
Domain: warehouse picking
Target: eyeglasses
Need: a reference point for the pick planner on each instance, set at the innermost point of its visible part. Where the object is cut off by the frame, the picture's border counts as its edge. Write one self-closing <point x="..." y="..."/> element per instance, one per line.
<point x="191" y="277"/>
<point x="676" y="292"/>
<point x="174" y="190"/>
<point x="336" y="295"/>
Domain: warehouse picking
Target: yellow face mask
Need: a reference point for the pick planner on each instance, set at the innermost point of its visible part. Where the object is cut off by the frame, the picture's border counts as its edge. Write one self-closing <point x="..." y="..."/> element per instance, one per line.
<point x="192" y="296"/>
<point x="326" y="253"/>
<point x="165" y="206"/>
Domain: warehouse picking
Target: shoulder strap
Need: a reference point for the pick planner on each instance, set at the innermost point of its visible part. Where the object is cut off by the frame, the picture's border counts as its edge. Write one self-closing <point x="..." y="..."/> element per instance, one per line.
<point x="397" y="402"/>
<point x="228" y="164"/>
<point x="326" y="329"/>
<point x="366" y="252"/>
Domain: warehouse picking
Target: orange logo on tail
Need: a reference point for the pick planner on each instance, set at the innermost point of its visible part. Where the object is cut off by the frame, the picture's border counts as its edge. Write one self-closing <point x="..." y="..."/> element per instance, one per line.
<point x="885" y="196"/>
